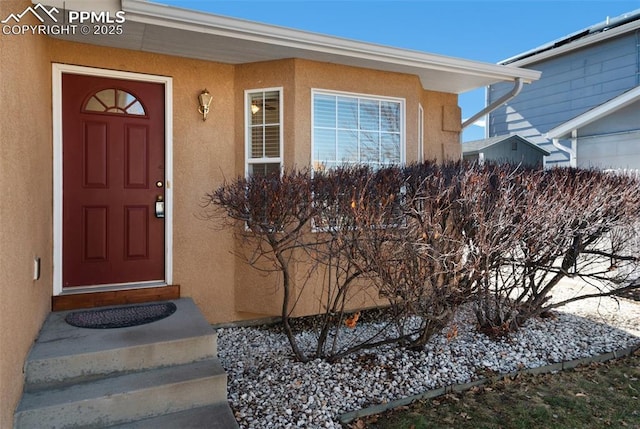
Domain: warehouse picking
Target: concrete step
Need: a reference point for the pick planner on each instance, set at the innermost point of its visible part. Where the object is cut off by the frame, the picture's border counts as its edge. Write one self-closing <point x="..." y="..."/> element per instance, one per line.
<point x="64" y="354"/>
<point x="125" y="398"/>
<point x="165" y="371"/>
<point x="217" y="416"/>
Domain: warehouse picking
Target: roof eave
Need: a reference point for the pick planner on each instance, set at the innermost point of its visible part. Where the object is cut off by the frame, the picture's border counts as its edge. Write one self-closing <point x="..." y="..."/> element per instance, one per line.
<point x="169" y="30"/>
<point x="532" y="57"/>
<point x="195" y="21"/>
<point x="480" y="145"/>
<point x="595" y="114"/>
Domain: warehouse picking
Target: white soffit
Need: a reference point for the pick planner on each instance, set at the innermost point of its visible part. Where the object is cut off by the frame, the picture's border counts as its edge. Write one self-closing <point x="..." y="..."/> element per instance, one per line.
<point x="596" y="113"/>
<point x="158" y="28"/>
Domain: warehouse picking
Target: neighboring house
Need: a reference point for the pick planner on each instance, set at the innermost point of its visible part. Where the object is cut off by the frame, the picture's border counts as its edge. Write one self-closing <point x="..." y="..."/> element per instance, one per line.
<point x="585" y="110"/>
<point x="511" y="149"/>
<point x="105" y="157"/>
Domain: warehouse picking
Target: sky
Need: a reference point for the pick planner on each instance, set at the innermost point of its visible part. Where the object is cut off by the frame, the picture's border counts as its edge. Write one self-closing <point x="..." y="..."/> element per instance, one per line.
<point x="482" y="30"/>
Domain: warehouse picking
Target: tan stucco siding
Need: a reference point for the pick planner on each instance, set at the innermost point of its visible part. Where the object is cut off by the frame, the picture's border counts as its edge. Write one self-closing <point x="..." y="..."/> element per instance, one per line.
<point x="26" y="201"/>
<point x="332" y="77"/>
<point x="299" y="77"/>
<point x="259" y="76"/>
<point x="204" y="153"/>
<point x="258" y="292"/>
<point x="443" y="124"/>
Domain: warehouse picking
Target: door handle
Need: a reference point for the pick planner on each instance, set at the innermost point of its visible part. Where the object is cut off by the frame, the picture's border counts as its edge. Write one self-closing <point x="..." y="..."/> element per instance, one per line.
<point x="159" y="207"/>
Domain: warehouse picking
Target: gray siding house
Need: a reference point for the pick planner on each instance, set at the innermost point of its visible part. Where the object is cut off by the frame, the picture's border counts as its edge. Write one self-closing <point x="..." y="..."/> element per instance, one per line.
<point x="585" y="110"/>
<point x="512" y="149"/>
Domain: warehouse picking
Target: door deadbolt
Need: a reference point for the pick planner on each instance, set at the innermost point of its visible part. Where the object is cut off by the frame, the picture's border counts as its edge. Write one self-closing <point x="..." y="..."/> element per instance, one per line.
<point x="159" y="207"/>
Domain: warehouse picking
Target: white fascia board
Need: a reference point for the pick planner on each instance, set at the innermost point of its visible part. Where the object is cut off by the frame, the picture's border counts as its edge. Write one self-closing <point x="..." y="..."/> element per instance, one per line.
<point x="82" y="5"/>
<point x="200" y="22"/>
<point x="594" y="114"/>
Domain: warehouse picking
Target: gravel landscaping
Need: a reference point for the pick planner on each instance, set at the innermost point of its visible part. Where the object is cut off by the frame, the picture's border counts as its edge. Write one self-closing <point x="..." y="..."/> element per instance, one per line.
<point x="268" y="389"/>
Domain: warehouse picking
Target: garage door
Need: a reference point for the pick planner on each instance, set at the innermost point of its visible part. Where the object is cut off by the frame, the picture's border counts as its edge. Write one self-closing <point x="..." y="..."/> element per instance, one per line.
<point x="610" y="151"/>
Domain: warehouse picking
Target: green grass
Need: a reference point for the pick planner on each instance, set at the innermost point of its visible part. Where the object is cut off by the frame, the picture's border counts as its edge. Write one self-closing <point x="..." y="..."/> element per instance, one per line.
<point x="605" y="395"/>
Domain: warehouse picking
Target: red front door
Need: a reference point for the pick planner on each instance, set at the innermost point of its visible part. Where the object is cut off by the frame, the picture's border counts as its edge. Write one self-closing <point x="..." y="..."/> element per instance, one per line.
<point x="113" y="175"/>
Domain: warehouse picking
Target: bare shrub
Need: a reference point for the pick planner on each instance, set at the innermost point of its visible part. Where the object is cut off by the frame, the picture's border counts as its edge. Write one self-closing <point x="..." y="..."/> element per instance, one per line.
<point x="425" y="238"/>
<point x="271" y="214"/>
<point x="539" y="227"/>
<point x="419" y="257"/>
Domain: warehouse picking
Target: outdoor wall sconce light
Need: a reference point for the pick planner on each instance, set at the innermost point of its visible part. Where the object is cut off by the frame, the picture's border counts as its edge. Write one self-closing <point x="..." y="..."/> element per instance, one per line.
<point x="204" y="99"/>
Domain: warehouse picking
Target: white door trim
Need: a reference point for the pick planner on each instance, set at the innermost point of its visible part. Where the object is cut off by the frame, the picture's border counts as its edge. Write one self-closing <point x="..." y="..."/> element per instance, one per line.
<point x="57" y="71"/>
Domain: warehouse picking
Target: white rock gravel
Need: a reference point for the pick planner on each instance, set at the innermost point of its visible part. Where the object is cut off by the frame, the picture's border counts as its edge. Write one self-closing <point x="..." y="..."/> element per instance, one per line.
<point x="268" y="389"/>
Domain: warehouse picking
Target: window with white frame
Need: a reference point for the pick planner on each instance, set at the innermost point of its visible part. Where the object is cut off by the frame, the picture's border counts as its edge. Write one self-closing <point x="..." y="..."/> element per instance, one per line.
<point x="263" y="118"/>
<point x="420" y="133"/>
<point x="356" y="129"/>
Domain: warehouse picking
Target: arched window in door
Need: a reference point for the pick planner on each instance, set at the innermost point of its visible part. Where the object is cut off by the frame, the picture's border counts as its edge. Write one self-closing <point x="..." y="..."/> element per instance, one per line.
<point x="113" y="100"/>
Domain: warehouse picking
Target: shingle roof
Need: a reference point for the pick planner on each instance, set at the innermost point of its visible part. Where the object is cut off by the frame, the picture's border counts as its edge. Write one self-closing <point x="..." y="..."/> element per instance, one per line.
<point x="611" y="27"/>
<point x="476" y="146"/>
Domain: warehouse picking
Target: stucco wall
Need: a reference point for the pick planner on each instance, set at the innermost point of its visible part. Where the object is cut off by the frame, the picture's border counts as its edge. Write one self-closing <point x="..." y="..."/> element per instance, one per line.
<point x="203" y="155"/>
<point x="333" y="77"/>
<point x="262" y="75"/>
<point x="25" y="201"/>
<point x="258" y="292"/>
<point x="443" y="124"/>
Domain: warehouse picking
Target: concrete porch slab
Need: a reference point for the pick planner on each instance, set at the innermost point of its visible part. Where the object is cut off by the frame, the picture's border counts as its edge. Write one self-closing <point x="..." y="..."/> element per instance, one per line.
<point x="65" y="352"/>
<point x="161" y="374"/>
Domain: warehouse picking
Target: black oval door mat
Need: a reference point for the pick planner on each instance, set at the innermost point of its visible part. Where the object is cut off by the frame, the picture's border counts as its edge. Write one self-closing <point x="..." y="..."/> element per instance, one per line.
<point x="120" y="317"/>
